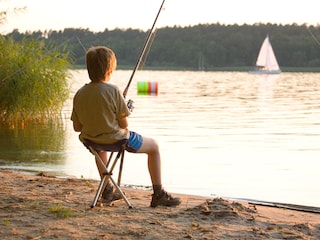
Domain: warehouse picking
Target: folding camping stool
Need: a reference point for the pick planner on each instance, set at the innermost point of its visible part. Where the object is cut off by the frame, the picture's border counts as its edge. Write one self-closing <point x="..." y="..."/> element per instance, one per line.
<point x="119" y="149"/>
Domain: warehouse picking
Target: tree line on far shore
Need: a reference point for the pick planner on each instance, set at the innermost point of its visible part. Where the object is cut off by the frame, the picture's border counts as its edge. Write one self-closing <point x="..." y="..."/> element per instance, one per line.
<point x="208" y="46"/>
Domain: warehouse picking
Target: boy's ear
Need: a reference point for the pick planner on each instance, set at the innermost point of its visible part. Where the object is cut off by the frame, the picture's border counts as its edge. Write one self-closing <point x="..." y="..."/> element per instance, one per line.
<point x="108" y="73"/>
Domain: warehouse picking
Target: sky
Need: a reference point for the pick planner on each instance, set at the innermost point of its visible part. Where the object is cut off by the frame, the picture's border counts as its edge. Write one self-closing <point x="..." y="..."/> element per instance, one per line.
<point x="97" y="15"/>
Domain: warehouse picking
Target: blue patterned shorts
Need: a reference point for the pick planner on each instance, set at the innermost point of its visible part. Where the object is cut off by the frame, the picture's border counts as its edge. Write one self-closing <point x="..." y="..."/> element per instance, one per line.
<point x="134" y="142"/>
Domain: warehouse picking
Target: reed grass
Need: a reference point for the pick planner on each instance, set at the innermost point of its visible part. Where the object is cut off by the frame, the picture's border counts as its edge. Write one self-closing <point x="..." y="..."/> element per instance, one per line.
<point x="33" y="81"/>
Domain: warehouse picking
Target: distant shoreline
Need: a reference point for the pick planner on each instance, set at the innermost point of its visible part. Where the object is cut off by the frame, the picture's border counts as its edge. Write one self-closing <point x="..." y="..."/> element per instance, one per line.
<point x="217" y="69"/>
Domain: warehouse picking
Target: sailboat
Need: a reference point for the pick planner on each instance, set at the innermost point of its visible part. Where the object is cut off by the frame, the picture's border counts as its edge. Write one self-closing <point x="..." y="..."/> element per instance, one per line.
<point x="266" y="62"/>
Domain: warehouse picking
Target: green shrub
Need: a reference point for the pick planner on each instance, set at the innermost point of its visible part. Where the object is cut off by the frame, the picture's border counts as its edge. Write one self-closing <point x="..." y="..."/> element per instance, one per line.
<point x="60" y="211"/>
<point x="33" y="81"/>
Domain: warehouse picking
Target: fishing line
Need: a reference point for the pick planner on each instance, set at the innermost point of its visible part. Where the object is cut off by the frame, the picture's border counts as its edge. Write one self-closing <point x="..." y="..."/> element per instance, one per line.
<point x="143" y="52"/>
<point x="85" y="50"/>
<point x="144" y="58"/>
<point x="313" y="36"/>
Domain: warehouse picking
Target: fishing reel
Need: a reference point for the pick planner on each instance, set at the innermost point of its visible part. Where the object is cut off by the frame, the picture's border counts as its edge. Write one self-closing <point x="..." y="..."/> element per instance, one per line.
<point x="130" y="105"/>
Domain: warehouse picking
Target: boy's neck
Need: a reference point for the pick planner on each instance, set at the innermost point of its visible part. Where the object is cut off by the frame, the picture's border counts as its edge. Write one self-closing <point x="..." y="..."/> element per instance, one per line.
<point x="107" y="77"/>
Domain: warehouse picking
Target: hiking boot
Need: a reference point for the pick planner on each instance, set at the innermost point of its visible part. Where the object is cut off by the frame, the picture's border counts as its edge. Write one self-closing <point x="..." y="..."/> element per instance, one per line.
<point x="113" y="196"/>
<point x="110" y="195"/>
<point x="107" y="191"/>
<point x="164" y="199"/>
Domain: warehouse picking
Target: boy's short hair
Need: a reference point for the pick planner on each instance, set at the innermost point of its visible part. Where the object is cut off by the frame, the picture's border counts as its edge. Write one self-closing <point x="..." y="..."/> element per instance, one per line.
<point x="99" y="60"/>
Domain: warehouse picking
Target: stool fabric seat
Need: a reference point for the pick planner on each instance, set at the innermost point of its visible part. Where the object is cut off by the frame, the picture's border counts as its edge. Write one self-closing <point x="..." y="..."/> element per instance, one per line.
<point x="114" y="147"/>
<point x="119" y="148"/>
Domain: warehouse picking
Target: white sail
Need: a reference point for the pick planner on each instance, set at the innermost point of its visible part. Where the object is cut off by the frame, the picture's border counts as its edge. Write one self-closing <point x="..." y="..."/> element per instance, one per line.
<point x="267" y="62"/>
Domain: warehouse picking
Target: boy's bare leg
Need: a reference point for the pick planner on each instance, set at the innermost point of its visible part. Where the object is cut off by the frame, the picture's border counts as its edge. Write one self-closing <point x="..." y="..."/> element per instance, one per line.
<point x="160" y="196"/>
<point x="150" y="147"/>
<point x="104" y="157"/>
<point x="108" y="191"/>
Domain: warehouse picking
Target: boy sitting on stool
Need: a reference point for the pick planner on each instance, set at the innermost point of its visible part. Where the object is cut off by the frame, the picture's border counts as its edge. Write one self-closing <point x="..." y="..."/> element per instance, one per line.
<point x="101" y="115"/>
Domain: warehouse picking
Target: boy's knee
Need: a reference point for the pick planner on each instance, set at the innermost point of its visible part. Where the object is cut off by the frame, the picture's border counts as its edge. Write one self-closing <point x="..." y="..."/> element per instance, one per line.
<point x="156" y="145"/>
<point x="153" y="144"/>
<point x="149" y="145"/>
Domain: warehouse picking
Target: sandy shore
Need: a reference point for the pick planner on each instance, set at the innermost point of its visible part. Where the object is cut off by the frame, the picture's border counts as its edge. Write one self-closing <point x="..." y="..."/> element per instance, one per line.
<point x="40" y="207"/>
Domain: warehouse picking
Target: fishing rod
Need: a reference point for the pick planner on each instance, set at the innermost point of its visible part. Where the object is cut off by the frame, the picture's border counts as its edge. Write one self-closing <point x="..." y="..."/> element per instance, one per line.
<point x="146" y="43"/>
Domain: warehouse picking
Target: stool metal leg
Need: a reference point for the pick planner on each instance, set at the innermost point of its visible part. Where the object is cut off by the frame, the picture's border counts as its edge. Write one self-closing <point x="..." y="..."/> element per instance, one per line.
<point x="107" y="175"/>
<point x="121" y="193"/>
<point x="120" y="168"/>
<point x="101" y="186"/>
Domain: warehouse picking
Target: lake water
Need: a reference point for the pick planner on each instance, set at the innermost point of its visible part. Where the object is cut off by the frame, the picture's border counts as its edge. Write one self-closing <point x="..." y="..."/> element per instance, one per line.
<point x="226" y="134"/>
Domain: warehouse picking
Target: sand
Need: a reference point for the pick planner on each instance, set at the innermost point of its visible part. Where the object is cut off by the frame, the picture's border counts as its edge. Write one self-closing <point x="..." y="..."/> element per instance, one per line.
<point x="42" y="207"/>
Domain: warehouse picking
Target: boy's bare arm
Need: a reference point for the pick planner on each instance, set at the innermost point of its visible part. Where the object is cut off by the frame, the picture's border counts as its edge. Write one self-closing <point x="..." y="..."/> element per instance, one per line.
<point x="123" y="122"/>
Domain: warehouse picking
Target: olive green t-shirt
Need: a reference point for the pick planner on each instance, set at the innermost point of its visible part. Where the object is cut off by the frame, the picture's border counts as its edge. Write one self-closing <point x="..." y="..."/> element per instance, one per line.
<point x="97" y="107"/>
